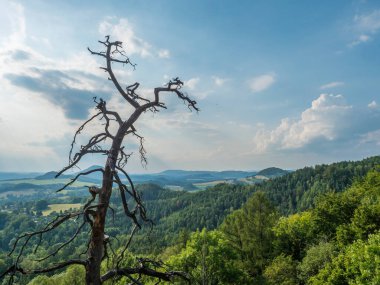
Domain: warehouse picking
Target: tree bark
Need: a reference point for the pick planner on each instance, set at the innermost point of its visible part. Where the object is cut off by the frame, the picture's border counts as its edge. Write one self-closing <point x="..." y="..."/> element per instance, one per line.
<point x="97" y="242"/>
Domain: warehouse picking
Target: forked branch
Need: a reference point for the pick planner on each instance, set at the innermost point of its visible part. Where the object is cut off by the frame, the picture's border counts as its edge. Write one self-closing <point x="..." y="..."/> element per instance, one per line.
<point x="108" y="142"/>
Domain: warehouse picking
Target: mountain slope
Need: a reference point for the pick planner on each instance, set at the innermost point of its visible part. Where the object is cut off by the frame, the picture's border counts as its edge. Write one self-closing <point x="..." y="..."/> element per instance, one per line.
<point x="297" y="191"/>
<point x="172" y="211"/>
<point x="293" y="192"/>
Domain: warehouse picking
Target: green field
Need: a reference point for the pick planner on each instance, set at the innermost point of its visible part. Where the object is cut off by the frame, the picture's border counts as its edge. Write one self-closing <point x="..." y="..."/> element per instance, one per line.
<point x="204" y="185"/>
<point x="60" y="207"/>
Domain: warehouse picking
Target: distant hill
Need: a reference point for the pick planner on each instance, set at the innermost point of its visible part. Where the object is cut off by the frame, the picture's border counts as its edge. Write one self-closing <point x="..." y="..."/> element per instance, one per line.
<point x="203" y="176"/>
<point x="92" y="176"/>
<point x="172" y="179"/>
<point x="183" y="178"/>
<point x="263" y="175"/>
<point x="271" y="172"/>
<point x="18" y="175"/>
<point x="50" y="175"/>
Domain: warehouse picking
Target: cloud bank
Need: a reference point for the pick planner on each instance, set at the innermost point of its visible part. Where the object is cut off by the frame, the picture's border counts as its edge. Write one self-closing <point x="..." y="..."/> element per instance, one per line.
<point x="328" y="119"/>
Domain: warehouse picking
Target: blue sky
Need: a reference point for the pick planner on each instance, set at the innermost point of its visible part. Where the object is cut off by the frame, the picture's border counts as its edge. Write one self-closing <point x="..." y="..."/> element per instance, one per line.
<point x="279" y="83"/>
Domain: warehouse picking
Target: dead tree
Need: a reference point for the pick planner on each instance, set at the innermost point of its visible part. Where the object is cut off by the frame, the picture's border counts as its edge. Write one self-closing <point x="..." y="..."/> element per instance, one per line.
<point x="94" y="212"/>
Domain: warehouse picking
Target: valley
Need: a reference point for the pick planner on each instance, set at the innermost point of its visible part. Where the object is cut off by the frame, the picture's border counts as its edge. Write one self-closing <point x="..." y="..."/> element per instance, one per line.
<point x="180" y="217"/>
<point x="45" y="185"/>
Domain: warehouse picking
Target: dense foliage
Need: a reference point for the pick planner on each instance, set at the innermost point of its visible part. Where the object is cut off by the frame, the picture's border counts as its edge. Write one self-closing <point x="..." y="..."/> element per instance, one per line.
<point x="336" y="242"/>
<point x="235" y="234"/>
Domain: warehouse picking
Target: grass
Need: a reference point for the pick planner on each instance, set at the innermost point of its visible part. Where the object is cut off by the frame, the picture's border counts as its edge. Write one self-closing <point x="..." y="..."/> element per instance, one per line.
<point x="60" y="207"/>
<point x="204" y="185"/>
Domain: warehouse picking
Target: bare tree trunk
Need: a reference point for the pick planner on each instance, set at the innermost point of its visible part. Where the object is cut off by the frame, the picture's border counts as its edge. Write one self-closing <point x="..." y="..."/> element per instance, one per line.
<point x="95" y="253"/>
<point x="97" y="243"/>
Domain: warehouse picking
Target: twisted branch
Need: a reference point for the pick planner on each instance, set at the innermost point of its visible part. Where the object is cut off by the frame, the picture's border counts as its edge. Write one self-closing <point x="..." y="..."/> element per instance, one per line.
<point x="95" y="214"/>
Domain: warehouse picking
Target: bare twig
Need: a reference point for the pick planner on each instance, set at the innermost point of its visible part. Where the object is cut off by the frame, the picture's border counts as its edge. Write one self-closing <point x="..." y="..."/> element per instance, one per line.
<point x="78" y="175"/>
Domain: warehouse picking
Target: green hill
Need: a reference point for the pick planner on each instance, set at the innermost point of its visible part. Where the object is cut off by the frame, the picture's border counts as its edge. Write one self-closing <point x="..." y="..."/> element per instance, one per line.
<point x="271" y="172"/>
<point x="172" y="211"/>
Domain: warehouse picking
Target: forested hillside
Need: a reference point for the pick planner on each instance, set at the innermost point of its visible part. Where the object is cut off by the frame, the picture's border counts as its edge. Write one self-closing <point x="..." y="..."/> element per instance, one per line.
<point x="223" y="221"/>
<point x="297" y="191"/>
<point x="335" y="242"/>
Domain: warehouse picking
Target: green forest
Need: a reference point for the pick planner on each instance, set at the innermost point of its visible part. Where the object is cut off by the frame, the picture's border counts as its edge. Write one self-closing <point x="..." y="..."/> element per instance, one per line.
<point x="316" y="225"/>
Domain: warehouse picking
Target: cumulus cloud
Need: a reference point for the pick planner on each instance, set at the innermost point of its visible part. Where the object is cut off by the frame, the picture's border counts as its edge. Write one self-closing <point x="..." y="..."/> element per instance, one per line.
<point x="68" y="83"/>
<point x="198" y="92"/>
<point x="57" y="87"/>
<point x="373" y="105"/>
<point x="324" y="120"/>
<point x="262" y="82"/>
<point x="41" y="98"/>
<point x="192" y="83"/>
<point x="122" y="30"/>
<point x="164" y="53"/>
<point x="27" y="123"/>
<point x="218" y="81"/>
<point x="332" y="85"/>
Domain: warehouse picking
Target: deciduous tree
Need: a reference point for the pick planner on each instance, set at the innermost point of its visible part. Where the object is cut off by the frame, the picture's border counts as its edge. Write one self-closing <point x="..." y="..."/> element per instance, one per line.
<point x="249" y="231"/>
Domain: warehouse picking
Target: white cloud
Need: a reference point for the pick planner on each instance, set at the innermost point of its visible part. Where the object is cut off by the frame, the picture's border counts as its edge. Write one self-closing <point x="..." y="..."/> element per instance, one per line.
<point x="325" y="119"/>
<point x="18" y="25"/>
<point x="331" y="85"/>
<point x="31" y="119"/>
<point x="363" y="38"/>
<point x="192" y="83"/>
<point x="29" y="122"/>
<point x="371" y="137"/>
<point x="373" y="105"/>
<point x="369" y="22"/>
<point x="219" y="81"/>
<point x="201" y="94"/>
<point x="262" y="82"/>
<point x="122" y="30"/>
<point x="359" y="40"/>
<point x="164" y="53"/>
<point x="365" y="26"/>
<point x="195" y="91"/>
<point x="168" y="134"/>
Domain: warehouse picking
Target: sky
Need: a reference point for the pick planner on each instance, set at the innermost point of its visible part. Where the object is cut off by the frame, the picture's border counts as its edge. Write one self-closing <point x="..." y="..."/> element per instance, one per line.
<point x="278" y="83"/>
